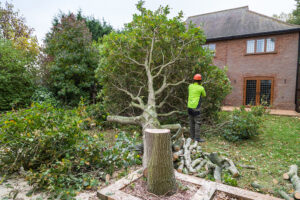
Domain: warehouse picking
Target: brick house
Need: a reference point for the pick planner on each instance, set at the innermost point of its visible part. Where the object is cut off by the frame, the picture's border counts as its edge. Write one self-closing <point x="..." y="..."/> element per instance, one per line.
<point x="262" y="55"/>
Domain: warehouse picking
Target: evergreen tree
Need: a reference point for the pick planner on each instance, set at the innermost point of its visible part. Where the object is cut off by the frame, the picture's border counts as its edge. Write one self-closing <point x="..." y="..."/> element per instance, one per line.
<point x="72" y="59"/>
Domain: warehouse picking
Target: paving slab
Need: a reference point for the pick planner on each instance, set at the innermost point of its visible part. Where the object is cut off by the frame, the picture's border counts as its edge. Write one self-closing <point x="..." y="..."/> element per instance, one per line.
<point x="206" y="191"/>
<point x="290" y="113"/>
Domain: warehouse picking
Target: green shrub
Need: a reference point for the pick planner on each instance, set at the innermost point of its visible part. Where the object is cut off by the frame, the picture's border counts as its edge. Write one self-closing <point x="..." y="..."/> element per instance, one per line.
<point x="16" y="77"/>
<point x="43" y="95"/>
<point x="243" y="124"/>
<point x="57" y="154"/>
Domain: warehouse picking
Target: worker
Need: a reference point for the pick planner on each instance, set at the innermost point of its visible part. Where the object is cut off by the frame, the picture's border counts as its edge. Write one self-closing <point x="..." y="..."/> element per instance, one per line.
<point x="196" y="92"/>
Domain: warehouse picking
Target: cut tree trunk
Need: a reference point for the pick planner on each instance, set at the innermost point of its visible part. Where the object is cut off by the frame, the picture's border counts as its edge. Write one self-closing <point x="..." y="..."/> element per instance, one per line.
<point x="218" y="174"/>
<point x="285" y="195"/>
<point x="160" y="177"/>
<point x="293" y="170"/>
<point x="296" y="184"/>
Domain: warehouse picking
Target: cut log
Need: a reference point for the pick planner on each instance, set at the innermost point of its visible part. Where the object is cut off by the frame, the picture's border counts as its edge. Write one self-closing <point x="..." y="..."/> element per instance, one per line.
<point x="181" y="165"/>
<point x="296" y="184"/>
<point x="194" y="151"/>
<point x="229" y="165"/>
<point x="161" y="177"/>
<point x="209" y="166"/>
<point x="196" y="162"/>
<point x="185" y="171"/>
<point x="293" y="170"/>
<point x="202" y="163"/>
<point x="285" y="195"/>
<point x="187" y="156"/>
<point x="218" y="174"/>
<point x="199" y="149"/>
<point x="256" y="185"/>
<point x="203" y="174"/>
<point x="247" y="166"/>
<point x="194" y="146"/>
<point x="216" y="159"/>
<point x="178" y="144"/>
<point x="177" y="154"/>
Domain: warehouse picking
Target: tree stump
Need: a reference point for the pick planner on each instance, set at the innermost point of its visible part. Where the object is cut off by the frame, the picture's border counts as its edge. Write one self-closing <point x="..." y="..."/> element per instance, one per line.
<point x="160" y="170"/>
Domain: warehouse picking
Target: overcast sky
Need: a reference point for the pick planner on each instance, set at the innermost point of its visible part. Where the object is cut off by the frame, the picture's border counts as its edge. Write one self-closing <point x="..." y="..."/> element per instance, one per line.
<point x="39" y="13"/>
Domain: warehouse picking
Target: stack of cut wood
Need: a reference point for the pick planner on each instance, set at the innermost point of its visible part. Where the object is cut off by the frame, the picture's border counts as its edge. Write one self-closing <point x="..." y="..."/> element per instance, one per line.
<point x="189" y="158"/>
<point x="292" y="175"/>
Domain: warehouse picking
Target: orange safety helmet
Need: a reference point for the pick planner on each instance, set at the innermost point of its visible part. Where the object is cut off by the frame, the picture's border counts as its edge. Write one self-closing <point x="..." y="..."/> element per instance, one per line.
<point x="197" y="77"/>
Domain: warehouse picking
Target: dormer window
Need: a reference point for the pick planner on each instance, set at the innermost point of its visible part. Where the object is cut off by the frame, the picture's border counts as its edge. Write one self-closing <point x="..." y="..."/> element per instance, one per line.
<point x="260" y="46"/>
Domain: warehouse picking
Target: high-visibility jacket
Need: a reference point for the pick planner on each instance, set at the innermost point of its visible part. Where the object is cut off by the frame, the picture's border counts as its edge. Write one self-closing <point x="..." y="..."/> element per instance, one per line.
<point x="195" y="92"/>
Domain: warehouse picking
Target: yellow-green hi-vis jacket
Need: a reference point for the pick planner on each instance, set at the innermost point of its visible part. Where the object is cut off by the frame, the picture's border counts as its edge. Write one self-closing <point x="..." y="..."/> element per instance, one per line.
<point x="195" y="92"/>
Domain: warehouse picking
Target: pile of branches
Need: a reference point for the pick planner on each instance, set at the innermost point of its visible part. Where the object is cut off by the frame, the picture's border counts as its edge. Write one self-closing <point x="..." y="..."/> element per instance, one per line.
<point x="189" y="158"/>
<point x="292" y="175"/>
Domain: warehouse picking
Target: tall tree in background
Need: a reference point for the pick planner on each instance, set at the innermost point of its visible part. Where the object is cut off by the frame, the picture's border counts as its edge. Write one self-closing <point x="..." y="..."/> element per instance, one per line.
<point x="296" y="14"/>
<point x="292" y="18"/>
<point x="13" y="27"/>
<point x="72" y="59"/>
<point x="97" y="28"/>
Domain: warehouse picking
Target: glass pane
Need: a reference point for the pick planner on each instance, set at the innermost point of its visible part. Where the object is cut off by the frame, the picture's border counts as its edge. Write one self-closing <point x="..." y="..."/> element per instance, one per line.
<point x="260" y="46"/>
<point x="212" y="47"/>
<point x="250" y="46"/>
<point x="265" y="92"/>
<point x="205" y="46"/>
<point x="270" y="45"/>
<point x="250" y="92"/>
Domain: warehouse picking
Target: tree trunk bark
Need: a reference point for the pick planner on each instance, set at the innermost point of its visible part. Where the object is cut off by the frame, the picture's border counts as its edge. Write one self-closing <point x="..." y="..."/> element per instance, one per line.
<point x="160" y="169"/>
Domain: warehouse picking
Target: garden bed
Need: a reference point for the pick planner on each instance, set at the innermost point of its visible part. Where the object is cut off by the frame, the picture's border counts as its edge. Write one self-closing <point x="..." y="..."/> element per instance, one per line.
<point x="138" y="188"/>
<point x="208" y="190"/>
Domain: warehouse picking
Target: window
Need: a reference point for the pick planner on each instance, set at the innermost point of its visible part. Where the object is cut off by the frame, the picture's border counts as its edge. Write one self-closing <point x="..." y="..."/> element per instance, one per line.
<point x="270" y="45"/>
<point x="260" y="46"/>
<point x="250" y="46"/>
<point x="211" y="47"/>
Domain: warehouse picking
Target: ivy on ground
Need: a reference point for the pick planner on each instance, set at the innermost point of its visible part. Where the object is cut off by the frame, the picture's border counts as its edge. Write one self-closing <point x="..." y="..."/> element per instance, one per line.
<point x="57" y="155"/>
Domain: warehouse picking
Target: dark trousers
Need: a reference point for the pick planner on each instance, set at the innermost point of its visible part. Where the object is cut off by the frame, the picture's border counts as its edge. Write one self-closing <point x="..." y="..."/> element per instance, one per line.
<point x="195" y="123"/>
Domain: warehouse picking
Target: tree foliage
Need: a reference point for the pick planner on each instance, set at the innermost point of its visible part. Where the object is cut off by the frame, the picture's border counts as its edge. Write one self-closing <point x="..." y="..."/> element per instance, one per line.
<point x="145" y="70"/>
<point x="96" y="27"/>
<point x="71" y="60"/>
<point x="16" y="77"/>
<point x="13" y="27"/>
<point x="296" y="14"/>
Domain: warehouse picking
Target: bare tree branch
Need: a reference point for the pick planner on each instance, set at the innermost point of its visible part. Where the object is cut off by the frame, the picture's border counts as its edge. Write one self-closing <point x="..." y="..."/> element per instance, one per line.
<point x="165" y="85"/>
<point x="124" y="120"/>
<point x="163" y="102"/>
<point x="172" y="61"/>
<point x="168" y="114"/>
<point x="135" y="98"/>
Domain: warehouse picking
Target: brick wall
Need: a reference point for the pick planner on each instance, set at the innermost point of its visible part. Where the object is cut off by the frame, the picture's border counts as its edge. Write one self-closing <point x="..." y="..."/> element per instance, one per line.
<point x="282" y="66"/>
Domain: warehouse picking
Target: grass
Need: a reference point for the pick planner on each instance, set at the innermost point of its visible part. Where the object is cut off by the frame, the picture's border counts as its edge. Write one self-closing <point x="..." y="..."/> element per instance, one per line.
<point x="272" y="152"/>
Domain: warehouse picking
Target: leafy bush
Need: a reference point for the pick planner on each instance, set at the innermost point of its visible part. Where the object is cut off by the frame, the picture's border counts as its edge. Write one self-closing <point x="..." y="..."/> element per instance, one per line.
<point x="244" y="124"/>
<point x="16" y="77"/>
<point x="43" y="95"/>
<point x="57" y="154"/>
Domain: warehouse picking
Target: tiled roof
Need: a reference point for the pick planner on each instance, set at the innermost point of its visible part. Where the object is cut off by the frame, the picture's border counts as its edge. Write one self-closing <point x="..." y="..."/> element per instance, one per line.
<point x="238" y="22"/>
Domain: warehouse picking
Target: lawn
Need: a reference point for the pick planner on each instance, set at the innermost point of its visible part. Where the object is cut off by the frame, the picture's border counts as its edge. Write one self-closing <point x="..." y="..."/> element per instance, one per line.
<point x="272" y="152"/>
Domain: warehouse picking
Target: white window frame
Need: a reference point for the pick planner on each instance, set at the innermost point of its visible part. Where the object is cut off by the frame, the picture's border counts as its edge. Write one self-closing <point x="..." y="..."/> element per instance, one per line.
<point x="264" y="45"/>
<point x="250" y="52"/>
